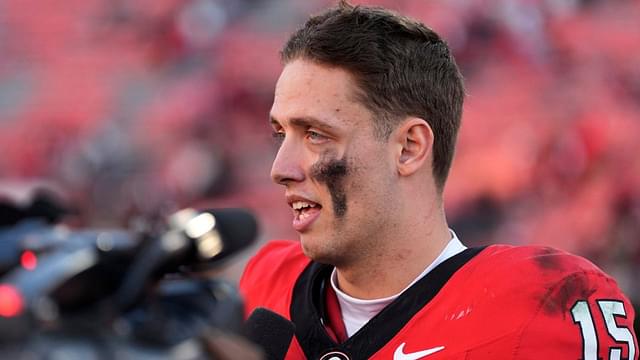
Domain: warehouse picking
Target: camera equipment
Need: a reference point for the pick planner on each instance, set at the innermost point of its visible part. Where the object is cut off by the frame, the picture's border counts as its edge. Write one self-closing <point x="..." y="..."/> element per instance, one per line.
<point x="94" y="294"/>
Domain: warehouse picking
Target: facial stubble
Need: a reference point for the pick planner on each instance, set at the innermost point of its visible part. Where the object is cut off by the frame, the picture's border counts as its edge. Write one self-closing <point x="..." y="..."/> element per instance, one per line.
<point x="337" y="175"/>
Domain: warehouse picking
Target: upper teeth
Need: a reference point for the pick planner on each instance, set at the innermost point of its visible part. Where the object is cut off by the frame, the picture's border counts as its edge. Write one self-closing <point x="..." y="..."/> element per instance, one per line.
<point x="302" y="204"/>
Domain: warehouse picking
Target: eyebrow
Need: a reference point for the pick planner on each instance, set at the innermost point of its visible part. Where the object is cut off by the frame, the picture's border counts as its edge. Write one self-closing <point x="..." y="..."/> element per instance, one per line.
<point x="306" y="121"/>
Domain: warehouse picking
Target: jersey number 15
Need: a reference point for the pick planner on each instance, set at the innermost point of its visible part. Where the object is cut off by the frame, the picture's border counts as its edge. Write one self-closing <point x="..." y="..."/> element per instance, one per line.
<point x="609" y="309"/>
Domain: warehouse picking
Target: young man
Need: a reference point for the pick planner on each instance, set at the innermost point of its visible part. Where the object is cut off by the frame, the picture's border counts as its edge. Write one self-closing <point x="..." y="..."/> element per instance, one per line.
<point x="366" y="111"/>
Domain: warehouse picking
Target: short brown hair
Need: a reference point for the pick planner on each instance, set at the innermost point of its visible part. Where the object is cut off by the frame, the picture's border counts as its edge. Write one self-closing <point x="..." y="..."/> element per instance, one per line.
<point x="402" y="68"/>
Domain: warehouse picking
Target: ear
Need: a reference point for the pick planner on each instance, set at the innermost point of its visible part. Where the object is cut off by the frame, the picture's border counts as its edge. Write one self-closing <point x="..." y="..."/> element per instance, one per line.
<point x="415" y="143"/>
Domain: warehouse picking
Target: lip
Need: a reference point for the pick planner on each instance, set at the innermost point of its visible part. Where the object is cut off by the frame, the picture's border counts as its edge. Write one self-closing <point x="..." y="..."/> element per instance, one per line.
<point x="302" y="221"/>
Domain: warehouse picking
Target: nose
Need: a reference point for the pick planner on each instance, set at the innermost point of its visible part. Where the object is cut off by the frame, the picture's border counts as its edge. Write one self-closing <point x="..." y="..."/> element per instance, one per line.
<point x="287" y="166"/>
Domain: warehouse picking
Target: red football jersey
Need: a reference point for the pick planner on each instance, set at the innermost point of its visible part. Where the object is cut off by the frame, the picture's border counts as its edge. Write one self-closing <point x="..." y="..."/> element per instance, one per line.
<point x="498" y="302"/>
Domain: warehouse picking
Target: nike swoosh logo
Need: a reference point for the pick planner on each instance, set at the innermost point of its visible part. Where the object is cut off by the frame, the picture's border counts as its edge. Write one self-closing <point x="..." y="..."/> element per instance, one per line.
<point x="400" y="354"/>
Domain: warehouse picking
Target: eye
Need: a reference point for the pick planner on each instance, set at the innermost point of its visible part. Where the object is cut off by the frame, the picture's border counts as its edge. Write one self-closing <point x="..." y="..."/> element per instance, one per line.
<point x="278" y="137"/>
<point x="316" y="137"/>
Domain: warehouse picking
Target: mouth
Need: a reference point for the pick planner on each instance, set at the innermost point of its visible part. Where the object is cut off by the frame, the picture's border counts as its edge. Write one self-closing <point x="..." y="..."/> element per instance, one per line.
<point x="305" y="213"/>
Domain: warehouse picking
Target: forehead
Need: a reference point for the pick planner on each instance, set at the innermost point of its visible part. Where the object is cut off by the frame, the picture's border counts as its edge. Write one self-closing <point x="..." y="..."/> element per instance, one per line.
<point x="307" y="89"/>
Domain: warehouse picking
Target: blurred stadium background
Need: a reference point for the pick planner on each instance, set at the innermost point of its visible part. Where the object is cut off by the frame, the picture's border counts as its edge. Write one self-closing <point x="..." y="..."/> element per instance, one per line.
<point x="137" y="108"/>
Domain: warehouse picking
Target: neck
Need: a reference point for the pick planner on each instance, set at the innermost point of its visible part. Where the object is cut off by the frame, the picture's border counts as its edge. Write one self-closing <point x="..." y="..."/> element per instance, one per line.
<point x="399" y="259"/>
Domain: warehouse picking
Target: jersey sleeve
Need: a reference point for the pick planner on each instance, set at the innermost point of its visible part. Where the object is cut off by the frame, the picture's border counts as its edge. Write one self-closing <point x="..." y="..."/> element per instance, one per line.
<point x="269" y="277"/>
<point x="582" y="316"/>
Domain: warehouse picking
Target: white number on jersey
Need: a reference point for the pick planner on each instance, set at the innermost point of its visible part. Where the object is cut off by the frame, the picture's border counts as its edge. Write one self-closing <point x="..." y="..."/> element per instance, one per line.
<point x="609" y="309"/>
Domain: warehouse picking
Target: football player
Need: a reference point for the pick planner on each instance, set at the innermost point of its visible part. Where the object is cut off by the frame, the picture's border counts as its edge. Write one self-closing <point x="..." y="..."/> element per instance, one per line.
<point x="366" y="111"/>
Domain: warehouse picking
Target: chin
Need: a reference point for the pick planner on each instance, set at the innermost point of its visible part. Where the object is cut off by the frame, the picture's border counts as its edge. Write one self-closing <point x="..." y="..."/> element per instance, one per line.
<point x="318" y="249"/>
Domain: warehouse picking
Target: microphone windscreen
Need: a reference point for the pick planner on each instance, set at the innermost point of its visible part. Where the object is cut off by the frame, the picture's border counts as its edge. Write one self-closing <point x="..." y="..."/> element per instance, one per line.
<point x="238" y="228"/>
<point x="272" y="332"/>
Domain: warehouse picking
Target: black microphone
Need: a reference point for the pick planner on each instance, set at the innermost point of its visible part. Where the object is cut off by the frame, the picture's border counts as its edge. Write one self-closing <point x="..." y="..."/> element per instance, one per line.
<point x="272" y="332"/>
<point x="196" y="240"/>
<point x="236" y="230"/>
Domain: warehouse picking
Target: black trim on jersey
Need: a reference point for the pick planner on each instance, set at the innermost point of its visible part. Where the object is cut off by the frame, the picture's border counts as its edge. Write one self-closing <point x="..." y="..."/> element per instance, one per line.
<point x="307" y="307"/>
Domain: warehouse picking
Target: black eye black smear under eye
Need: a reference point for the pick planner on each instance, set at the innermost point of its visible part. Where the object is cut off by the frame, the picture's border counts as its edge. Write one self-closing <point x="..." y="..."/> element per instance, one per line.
<point x="333" y="172"/>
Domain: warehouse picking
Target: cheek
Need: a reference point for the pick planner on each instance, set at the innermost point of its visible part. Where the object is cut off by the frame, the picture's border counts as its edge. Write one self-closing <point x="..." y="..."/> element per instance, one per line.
<point x="372" y="187"/>
<point x="333" y="173"/>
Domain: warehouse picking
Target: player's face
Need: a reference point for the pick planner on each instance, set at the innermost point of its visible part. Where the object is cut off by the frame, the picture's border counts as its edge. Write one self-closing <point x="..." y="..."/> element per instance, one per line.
<point x="339" y="177"/>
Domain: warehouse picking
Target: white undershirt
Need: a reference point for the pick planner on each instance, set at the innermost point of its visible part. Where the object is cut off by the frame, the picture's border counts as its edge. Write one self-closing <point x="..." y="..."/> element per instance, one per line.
<point x="357" y="312"/>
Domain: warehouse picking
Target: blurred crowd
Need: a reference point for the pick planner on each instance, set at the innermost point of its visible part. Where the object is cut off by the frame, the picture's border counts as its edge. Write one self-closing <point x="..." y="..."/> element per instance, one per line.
<point x="138" y="108"/>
